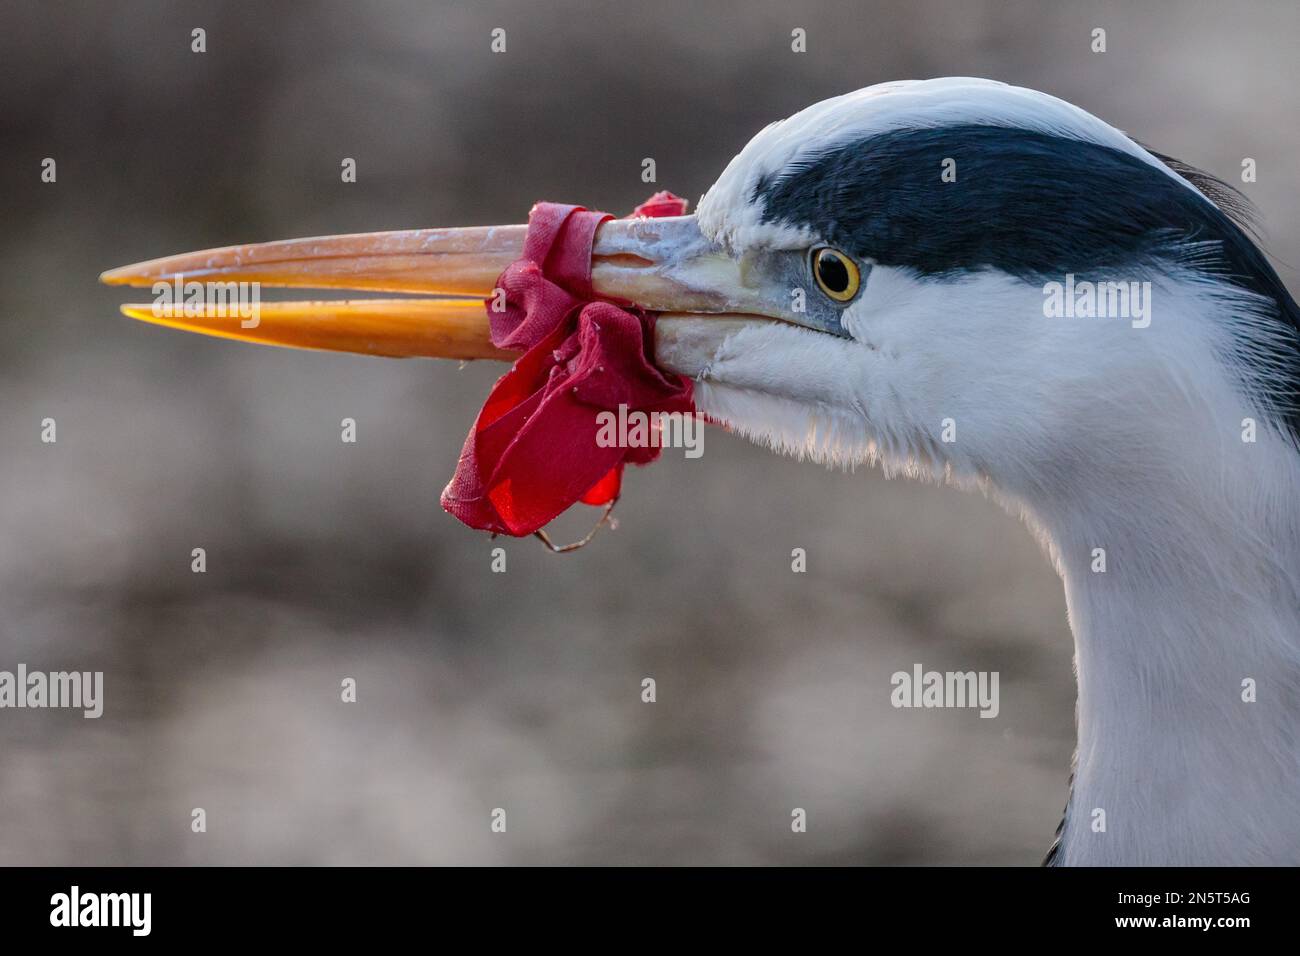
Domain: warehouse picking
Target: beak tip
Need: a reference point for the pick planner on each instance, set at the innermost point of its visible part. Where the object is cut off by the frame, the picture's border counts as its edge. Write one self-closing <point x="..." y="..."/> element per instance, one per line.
<point x="140" y="313"/>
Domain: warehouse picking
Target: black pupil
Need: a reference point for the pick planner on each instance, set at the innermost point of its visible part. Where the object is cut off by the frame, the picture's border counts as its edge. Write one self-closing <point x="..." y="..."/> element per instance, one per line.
<point x="832" y="271"/>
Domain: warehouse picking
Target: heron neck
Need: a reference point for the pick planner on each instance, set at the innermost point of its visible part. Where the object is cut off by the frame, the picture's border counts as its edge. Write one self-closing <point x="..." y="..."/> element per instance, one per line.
<point x="1183" y="598"/>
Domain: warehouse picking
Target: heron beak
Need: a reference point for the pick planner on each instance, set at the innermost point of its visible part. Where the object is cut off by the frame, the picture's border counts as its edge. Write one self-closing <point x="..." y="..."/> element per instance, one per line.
<point x="665" y="265"/>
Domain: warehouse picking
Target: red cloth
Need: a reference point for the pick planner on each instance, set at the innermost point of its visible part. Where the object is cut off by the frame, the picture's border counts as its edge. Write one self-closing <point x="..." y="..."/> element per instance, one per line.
<point x="532" y="452"/>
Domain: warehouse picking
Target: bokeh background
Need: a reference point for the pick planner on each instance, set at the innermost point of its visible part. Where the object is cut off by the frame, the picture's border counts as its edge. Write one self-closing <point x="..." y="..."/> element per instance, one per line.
<point x="328" y="560"/>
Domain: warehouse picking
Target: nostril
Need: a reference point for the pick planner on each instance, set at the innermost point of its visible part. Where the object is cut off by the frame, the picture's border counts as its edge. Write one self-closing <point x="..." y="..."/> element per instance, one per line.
<point x="627" y="259"/>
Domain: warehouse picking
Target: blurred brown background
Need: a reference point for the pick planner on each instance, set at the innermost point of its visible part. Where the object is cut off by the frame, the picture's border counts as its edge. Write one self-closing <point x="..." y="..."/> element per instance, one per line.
<point x="327" y="560"/>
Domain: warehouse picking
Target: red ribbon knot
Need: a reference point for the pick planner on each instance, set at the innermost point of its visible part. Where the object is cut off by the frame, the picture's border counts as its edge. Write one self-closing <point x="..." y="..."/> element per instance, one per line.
<point x="532" y="452"/>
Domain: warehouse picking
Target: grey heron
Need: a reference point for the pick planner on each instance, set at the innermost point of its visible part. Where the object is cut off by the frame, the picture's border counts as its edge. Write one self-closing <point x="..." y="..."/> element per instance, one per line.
<point x="931" y="224"/>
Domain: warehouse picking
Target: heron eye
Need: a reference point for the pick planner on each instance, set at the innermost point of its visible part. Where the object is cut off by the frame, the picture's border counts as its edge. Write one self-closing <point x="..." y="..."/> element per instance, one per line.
<point x="836" y="273"/>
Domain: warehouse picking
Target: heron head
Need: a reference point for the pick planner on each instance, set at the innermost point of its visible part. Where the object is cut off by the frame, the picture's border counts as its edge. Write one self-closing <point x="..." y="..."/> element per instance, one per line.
<point x="995" y="284"/>
<point x="958" y="274"/>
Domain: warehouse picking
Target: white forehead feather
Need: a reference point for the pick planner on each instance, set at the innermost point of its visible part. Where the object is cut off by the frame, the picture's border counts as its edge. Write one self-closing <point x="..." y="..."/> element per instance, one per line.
<point x="727" y="214"/>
